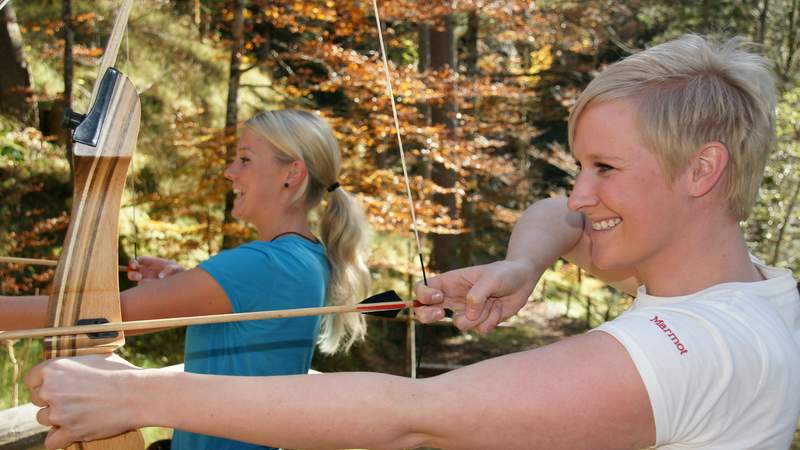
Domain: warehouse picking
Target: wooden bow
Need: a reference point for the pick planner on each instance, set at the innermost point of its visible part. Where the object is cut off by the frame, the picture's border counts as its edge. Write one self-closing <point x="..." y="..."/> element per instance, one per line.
<point x="86" y="284"/>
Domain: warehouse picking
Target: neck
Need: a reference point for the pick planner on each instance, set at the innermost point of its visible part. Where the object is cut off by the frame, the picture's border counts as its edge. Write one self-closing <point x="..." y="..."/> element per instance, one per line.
<point x="710" y="253"/>
<point x="291" y="221"/>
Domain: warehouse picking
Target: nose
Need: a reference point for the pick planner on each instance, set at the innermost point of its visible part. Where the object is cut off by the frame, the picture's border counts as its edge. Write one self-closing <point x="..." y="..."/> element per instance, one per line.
<point x="583" y="193"/>
<point x="229" y="172"/>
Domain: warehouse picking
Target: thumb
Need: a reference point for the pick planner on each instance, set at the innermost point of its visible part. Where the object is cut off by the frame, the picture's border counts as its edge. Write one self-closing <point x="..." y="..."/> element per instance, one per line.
<point x="485" y="286"/>
<point x="33" y="379"/>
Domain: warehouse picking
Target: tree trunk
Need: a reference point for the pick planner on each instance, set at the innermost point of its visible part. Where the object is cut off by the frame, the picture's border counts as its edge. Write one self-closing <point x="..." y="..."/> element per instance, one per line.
<point x="776" y="253"/>
<point x="469" y="213"/>
<point x="69" y="42"/>
<point x="471" y="43"/>
<point x="424" y="65"/>
<point x="792" y="43"/>
<point x="229" y="239"/>
<point x="443" y="55"/>
<point x="761" y="24"/>
<point x="16" y="96"/>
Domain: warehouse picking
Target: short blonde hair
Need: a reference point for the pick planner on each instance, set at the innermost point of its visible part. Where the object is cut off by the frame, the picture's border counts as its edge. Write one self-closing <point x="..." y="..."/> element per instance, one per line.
<point x="691" y="91"/>
<point x="304" y="136"/>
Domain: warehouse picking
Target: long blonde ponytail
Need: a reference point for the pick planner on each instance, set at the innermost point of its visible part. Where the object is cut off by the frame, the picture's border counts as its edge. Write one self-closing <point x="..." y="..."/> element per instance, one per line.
<point x="304" y="136"/>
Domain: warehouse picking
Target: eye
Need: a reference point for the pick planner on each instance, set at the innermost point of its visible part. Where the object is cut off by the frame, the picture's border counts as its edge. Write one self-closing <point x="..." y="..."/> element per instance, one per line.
<point x="244" y="159"/>
<point x="602" y="168"/>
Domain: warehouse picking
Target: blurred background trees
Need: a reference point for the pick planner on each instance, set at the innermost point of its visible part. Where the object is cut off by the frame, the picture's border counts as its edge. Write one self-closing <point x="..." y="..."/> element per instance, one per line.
<point x="483" y="88"/>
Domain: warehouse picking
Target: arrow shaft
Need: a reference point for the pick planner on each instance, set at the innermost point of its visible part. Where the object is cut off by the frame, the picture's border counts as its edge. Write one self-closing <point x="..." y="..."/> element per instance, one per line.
<point x="41" y="262"/>
<point x="202" y="320"/>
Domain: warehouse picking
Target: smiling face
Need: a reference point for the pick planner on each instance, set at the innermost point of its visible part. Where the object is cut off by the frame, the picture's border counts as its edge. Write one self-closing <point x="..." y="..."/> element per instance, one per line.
<point x="634" y="215"/>
<point x="258" y="180"/>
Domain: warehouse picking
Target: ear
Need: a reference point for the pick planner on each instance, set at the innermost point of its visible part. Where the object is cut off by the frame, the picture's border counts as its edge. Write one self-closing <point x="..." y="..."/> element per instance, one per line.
<point x="707" y="167"/>
<point x="297" y="173"/>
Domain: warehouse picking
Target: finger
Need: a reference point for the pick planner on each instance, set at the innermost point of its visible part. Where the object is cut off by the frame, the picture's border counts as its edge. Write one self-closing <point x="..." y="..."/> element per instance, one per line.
<point x="37" y="399"/>
<point x="493" y="319"/>
<point x="429" y="314"/>
<point x="463" y="323"/>
<point x="133" y="264"/>
<point x="33" y="379"/>
<point x="148" y="260"/>
<point x="58" y="438"/>
<point x="428" y="295"/>
<point x="43" y="417"/>
<point x="135" y="276"/>
<point x="481" y="291"/>
<point x="170" y="270"/>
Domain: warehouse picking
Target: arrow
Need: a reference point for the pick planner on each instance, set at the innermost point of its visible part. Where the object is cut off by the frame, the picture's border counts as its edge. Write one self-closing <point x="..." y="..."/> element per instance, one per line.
<point x="378" y="304"/>
<point x="42" y="262"/>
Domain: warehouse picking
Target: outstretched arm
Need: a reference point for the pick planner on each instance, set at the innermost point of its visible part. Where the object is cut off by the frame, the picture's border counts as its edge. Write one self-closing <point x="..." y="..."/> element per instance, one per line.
<point x="190" y="293"/>
<point x="23" y="312"/>
<point x="583" y="392"/>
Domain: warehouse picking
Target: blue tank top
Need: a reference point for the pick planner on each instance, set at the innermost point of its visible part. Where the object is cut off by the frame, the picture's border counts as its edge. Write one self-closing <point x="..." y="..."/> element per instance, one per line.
<point x="290" y="272"/>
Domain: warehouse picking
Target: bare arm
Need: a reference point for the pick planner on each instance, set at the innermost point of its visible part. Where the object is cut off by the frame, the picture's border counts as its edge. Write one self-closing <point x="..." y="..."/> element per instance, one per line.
<point x="190" y="293"/>
<point x="483" y="296"/>
<point x="23" y="312"/>
<point x="549" y="230"/>
<point x="581" y="393"/>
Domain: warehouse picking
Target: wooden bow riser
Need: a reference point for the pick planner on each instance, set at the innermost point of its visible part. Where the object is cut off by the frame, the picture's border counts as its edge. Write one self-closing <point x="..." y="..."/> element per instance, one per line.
<point x="86" y="284"/>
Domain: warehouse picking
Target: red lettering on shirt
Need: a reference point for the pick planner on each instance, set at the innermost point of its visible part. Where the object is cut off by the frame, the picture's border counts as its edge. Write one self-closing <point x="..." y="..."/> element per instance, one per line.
<point x="660" y="323"/>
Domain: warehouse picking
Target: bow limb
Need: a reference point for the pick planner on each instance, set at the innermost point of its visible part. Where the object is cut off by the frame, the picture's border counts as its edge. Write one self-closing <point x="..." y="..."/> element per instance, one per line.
<point x="86" y="285"/>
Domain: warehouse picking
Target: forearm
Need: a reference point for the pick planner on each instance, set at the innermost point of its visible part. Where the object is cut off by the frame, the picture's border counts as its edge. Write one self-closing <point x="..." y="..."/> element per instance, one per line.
<point x="546" y="231"/>
<point x="348" y="410"/>
<point x="23" y="312"/>
<point x="495" y="404"/>
<point x="185" y="294"/>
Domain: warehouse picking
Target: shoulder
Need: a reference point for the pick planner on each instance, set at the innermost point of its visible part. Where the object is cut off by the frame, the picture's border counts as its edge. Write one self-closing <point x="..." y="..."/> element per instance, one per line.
<point x="245" y="257"/>
<point x="256" y="254"/>
<point x="710" y="361"/>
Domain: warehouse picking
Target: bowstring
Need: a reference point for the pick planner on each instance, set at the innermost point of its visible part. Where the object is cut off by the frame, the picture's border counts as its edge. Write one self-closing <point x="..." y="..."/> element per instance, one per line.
<point x="134" y="194"/>
<point x="390" y="92"/>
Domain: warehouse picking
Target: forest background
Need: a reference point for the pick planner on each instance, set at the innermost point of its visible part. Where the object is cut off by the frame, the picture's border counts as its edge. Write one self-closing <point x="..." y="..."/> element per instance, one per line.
<point x="483" y="90"/>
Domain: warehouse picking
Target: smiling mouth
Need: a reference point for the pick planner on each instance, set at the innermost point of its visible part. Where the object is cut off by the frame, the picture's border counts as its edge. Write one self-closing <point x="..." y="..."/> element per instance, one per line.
<point x="605" y="225"/>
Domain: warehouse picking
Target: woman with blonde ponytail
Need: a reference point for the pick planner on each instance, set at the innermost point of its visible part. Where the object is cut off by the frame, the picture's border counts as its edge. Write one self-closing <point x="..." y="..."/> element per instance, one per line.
<point x="304" y="136"/>
<point x="287" y="165"/>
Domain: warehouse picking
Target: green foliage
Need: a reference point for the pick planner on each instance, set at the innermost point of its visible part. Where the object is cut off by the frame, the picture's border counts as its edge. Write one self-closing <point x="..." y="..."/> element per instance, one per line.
<point x="774" y="226"/>
<point x="507" y="148"/>
<point x="14" y="363"/>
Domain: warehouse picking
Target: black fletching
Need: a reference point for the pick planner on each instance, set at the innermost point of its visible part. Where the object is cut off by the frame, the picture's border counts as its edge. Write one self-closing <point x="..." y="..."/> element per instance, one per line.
<point x="383" y="297"/>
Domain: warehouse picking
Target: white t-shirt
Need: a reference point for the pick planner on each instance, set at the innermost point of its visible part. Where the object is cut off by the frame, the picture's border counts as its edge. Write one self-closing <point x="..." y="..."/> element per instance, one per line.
<point x="721" y="366"/>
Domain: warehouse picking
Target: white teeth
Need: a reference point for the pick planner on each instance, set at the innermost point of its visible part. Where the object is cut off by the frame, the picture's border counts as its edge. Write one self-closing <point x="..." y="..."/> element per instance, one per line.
<point x="606" y="224"/>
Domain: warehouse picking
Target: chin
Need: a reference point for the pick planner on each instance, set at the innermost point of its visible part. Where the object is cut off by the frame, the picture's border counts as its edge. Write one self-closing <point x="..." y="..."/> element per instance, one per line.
<point x="608" y="262"/>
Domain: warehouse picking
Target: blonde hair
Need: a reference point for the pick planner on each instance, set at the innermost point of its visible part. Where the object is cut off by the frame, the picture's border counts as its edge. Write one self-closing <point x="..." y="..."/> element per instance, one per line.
<point x="304" y="136"/>
<point x="691" y="91"/>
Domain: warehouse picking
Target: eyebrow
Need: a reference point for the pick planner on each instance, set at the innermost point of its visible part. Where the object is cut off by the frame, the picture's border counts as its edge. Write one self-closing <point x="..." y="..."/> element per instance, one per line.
<point x="596" y="156"/>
